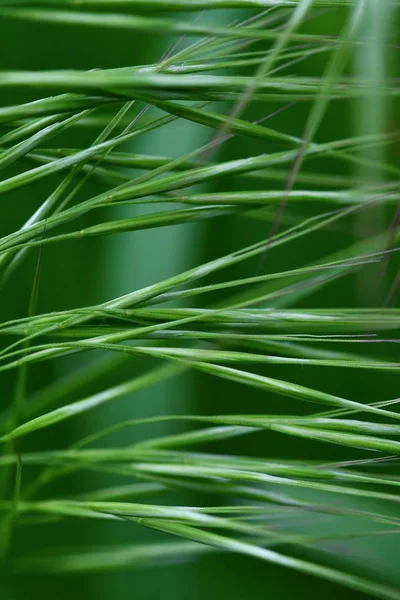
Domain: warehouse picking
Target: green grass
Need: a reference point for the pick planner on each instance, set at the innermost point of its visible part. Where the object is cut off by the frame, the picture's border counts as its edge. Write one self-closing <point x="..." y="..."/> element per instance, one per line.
<point x="268" y="317"/>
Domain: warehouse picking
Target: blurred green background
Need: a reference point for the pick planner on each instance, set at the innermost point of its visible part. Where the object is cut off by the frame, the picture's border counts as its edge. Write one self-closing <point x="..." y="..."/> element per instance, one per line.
<point x="94" y="270"/>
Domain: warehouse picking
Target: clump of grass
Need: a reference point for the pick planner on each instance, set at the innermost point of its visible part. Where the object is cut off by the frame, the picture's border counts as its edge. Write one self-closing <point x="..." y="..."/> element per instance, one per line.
<point x="261" y="325"/>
